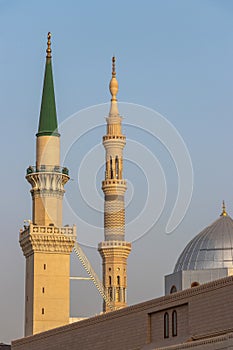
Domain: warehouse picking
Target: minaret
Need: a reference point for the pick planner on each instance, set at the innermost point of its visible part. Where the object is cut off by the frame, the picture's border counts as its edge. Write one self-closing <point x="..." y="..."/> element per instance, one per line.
<point x="114" y="250"/>
<point x="45" y="243"/>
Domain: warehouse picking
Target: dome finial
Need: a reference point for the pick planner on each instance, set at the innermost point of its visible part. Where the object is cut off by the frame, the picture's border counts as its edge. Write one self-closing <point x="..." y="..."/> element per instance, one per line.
<point x="49" y="46"/>
<point x="113" y="86"/>
<point x="113" y="66"/>
<point x="224" y="213"/>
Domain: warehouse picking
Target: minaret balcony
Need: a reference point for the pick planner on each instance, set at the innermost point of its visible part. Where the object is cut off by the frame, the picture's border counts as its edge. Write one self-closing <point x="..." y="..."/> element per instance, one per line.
<point x="47" y="169"/>
<point x="114" y="186"/>
<point x="49" y="239"/>
<point x="113" y="182"/>
<point x="114" y="137"/>
<point x="117" y="249"/>
<point x="114" y="244"/>
<point x="48" y="230"/>
<point x="110" y="141"/>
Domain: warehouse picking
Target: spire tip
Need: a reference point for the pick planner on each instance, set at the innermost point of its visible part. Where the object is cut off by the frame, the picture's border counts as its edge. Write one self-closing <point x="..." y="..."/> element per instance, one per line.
<point x="113" y="86"/>
<point x="48" y="51"/>
<point x="224" y="213"/>
<point x="113" y="66"/>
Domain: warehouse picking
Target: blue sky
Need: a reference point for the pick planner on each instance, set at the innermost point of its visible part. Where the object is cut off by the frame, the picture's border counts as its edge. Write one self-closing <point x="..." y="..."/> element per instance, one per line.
<point x="175" y="57"/>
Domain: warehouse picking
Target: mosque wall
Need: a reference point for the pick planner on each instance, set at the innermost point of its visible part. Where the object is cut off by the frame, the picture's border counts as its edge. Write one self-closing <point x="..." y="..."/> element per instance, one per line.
<point x="177" y="325"/>
<point x="201" y="313"/>
<point x="185" y="279"/>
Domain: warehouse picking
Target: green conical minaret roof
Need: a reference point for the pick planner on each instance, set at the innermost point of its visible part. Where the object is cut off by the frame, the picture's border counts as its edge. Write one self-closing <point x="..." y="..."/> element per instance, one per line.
<point x="48" y="114"/>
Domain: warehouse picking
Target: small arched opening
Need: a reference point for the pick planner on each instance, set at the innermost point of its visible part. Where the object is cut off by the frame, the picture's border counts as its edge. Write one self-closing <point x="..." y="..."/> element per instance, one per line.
<point x="173" y="289"/>
<point x="195" y="284"/>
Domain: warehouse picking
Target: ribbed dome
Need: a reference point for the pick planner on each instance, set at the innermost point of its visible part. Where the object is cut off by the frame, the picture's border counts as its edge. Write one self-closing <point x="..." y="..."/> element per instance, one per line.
<point x="211" y="248"/>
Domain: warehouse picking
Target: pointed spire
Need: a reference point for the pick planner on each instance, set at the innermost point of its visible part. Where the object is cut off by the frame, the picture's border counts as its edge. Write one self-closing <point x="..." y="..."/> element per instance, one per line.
<point x="48" y="114"/>
<point x="224" y="213"/>
<point x="113" y="87"/>
<point x="49" y="51"/>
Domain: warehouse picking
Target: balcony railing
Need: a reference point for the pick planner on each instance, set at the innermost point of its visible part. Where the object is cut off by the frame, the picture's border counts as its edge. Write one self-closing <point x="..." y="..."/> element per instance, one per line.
<point x="48" y="230"/>
<point x="47" y="169"/>
<point x="106" y="244"/>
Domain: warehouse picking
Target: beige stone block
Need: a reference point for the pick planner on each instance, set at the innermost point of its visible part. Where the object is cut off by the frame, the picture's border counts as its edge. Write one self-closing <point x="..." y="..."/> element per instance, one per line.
<point x="48" y="150"/>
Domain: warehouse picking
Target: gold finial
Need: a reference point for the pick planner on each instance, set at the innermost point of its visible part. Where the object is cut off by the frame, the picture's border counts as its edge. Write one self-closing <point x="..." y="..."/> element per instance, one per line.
<point x="224" y="213"/>
<point x="49" y="46"/>
<point x="113" y="86"/>
<point x="113" y="66"/>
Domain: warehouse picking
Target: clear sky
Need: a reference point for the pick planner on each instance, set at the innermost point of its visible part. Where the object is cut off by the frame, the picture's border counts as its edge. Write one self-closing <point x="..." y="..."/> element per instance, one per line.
<point x="173" y="57"/>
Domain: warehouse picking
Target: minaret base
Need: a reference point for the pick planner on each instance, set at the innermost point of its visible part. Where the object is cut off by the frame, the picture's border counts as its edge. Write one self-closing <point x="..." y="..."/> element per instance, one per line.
<point x="114" y="256"/>
<point x="47" y="294"/>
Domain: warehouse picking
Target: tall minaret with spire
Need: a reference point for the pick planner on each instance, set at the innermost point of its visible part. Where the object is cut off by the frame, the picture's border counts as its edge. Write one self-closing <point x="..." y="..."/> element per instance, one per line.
<point x="45" y="243"/>
<point x="114" y="250"/>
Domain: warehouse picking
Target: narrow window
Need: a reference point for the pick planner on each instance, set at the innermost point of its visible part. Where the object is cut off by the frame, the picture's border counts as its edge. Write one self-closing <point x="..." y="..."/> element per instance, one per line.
<point x="111" y="170"/>
<point x="166" y="325"/>
<point x="110" y="280"/>
<point x="42" y="289"/>
<point x="118" y="280"/>
<point x="42" y="311"/>
<point x="124" y="298"/>
<point x="174" y="324"/>
<point x="118" y="297"/>
<point x="110" y="293"/>
<point x="44" y="266"/>
<point x="106" y="171"/>
<point x="117" y="167"/>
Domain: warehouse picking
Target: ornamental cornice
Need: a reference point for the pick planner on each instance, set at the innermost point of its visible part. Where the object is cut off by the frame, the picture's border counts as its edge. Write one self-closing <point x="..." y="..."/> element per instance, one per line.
<point x="114" y="186"/>
<point x="109" y="249"/>
<point x="47" y="181"/>
<point x="47" y="239"/>
<point x="110" y="141"/>
<point x="47" y="193"/>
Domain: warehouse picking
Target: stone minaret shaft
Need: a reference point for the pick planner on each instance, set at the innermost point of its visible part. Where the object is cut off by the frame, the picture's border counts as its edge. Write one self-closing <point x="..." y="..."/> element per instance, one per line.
<point x="114" y="250"/>
<point x="45" y="243"/>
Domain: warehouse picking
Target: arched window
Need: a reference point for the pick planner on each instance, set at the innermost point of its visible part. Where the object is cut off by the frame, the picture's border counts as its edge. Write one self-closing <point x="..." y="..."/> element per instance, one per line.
<point x="166" y="325"/>
<point x="117" y="167"/>
<point x="110" y="292"/>
<point x="111" y="169"/>
<point x="174" y="323"/>
<point x="110" y="280"/>
<point x="106" y="171"/>
<point x="195" y="284"/>
<point x="118" y="280"/>
<point x="173" y="289"/>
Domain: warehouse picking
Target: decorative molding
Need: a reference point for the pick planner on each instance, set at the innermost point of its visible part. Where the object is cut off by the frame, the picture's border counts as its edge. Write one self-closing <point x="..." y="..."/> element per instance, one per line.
<point x="47" y="181"/>
<point x="114" y="187"/>
<point x="47" y="239"/>
<point x="109" y="249"/>
<point x="47" y="193"/>
<point x="110" y="141"/>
